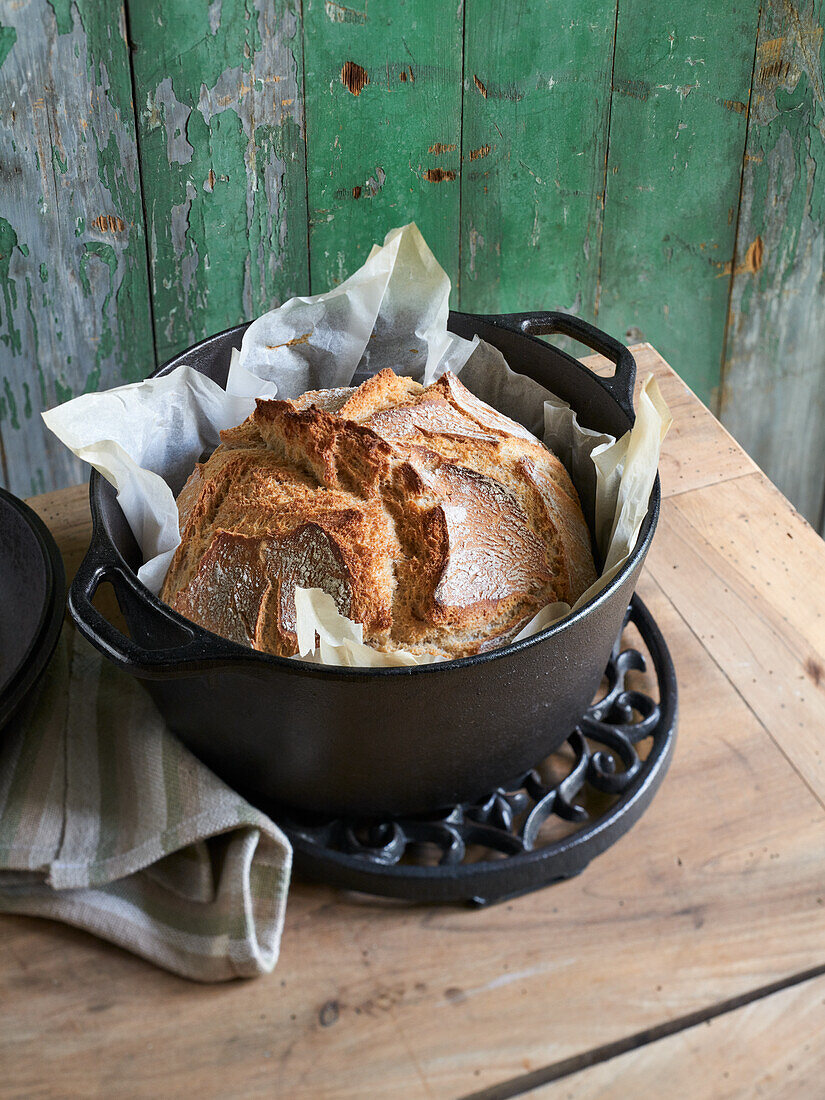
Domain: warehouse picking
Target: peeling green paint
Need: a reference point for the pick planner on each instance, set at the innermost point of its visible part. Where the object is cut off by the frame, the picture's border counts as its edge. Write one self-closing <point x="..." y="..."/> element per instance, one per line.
<point x="62" y="393"/>
<point x="76" y="201"/>
<point x="223" y="157"/>
<point x="509" y="176"/>
<point x="11" y="403"/>
<point x="11" y="337"/>
<point x="8" y="37"/>
<point x="381" y="93"/>
<point x="773" y="380"/>
<point x="104" y="252"/>
<point x="535" y="118"/>
<point x="673" y="175"/>
<point x="38" y="364"/>
<point x="106" y="255"/>
<point x="63" y="15"/>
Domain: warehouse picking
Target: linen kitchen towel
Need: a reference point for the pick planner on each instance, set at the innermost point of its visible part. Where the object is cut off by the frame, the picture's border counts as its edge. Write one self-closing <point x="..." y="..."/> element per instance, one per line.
<point x="107" y="822"/>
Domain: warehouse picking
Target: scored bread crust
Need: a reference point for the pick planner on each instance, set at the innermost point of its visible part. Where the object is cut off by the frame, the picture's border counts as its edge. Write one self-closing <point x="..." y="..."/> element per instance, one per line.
<point x="434" y="520"/>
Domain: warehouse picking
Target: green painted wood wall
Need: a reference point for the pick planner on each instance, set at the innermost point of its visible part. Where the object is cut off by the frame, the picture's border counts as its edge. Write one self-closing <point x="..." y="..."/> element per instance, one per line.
<point x="172" y="167"/>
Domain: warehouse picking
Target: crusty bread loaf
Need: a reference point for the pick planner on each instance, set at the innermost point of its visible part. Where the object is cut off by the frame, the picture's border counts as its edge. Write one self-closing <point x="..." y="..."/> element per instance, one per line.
<point x="432" y="519"/>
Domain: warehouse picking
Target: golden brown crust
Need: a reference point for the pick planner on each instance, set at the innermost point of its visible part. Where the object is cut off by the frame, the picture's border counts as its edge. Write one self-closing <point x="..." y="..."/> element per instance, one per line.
<point x="382" y="391"/>
<point x="328" y="400"/>
<point x="430" y="518"/>
<point x="244" y="436"/>
<point x="339" y="453"/>
<point x="454" y="391"/>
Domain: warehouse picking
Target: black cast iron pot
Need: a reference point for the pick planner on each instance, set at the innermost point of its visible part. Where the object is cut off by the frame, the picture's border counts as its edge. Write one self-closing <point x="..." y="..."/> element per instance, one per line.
<point x="32" y="601"/>
<point x="373" y="741"/>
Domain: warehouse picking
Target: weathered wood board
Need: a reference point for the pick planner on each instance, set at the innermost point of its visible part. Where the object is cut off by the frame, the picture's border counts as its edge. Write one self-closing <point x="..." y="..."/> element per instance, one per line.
<point x="681" y="80"/>
<point x="535" y="122"/>
<point x="772" y="1047"/>
<point x="221" y="128"/>
<point x="74" y="302"/>
<point x="773" y="381"/>
<point x="383" y="102"/>
<point x="700" y="452"/>
<point x="654" y="168"/>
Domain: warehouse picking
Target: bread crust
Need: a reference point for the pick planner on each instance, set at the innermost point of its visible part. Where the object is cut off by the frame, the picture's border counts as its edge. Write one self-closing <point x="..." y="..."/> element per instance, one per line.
<point x="432" y="519"/>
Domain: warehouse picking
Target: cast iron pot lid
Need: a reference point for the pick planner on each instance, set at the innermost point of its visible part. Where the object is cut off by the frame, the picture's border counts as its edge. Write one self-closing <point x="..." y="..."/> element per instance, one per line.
<point x="32" y="597"/>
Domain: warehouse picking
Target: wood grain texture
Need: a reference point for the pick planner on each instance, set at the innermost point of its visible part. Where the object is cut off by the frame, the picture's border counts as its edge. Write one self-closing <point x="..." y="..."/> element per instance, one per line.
<point x="536" y="101"/>
<point x="222" y="161"/>
<point x="583" y="156"/>
<point x="771" y="1048"/>
<point x="375" y="1000"/>
<point x="383" y="91"/>
<point x="773" y="389"/>
<point x="74" y="303"/>
<point x="699" y="451"/>
<point x="714" y="895"/>
<point x="745" y="546"/>
<point x="677" y="131"/>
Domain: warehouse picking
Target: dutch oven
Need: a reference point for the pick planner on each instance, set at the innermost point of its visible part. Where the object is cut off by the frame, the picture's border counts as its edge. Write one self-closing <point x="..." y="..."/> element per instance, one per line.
<point x="380" y="740"/>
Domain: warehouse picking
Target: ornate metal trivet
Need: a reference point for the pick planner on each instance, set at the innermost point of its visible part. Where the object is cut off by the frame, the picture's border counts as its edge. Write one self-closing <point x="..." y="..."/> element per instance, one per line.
<point x="543" y="827"/>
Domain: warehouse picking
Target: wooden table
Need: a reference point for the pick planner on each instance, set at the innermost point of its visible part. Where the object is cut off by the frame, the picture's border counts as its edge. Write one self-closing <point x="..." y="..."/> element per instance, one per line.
<point x="688" y="960"/>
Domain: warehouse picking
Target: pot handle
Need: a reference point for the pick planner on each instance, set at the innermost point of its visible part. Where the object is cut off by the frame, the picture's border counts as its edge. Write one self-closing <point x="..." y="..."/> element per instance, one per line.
<point x="540" y="323"/>
<point x="183" y="656"/>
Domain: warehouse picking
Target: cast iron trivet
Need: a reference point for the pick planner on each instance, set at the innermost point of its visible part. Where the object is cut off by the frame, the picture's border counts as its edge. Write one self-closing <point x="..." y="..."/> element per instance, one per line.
<point x="592" y="790"/>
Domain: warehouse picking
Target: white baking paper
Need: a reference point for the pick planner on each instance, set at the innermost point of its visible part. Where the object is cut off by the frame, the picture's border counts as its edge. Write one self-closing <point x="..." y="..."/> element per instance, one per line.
<point x="391" y="313"/>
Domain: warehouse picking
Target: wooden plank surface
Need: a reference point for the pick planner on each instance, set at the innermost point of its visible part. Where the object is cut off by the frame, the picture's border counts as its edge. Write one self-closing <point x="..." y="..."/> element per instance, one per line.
<point x="681" y="80"/>
<point x="743" y="544"/>
<point x="708" y="898"/>
<point x="384" y="128"/>
<point x="773" y="387"/>
<point x="698" y="451"/>
<point x="74" y="303"/>
<point x="222" y="156"/>
<point x="715" y="895"/>
<point x="772" y="1047"/>
<point x="535" y="123"/>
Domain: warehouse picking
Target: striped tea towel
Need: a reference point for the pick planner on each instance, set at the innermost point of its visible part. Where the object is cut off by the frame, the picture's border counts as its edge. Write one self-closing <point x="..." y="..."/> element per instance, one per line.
<point x="107" y="822"/>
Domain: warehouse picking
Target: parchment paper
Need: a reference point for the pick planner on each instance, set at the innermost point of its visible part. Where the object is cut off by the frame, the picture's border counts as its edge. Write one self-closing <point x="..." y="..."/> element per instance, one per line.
<point x="391" y="313"/>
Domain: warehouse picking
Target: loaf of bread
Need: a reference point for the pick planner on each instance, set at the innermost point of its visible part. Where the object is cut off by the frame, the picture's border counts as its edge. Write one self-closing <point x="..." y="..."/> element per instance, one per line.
<point x="429" y="517"/>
